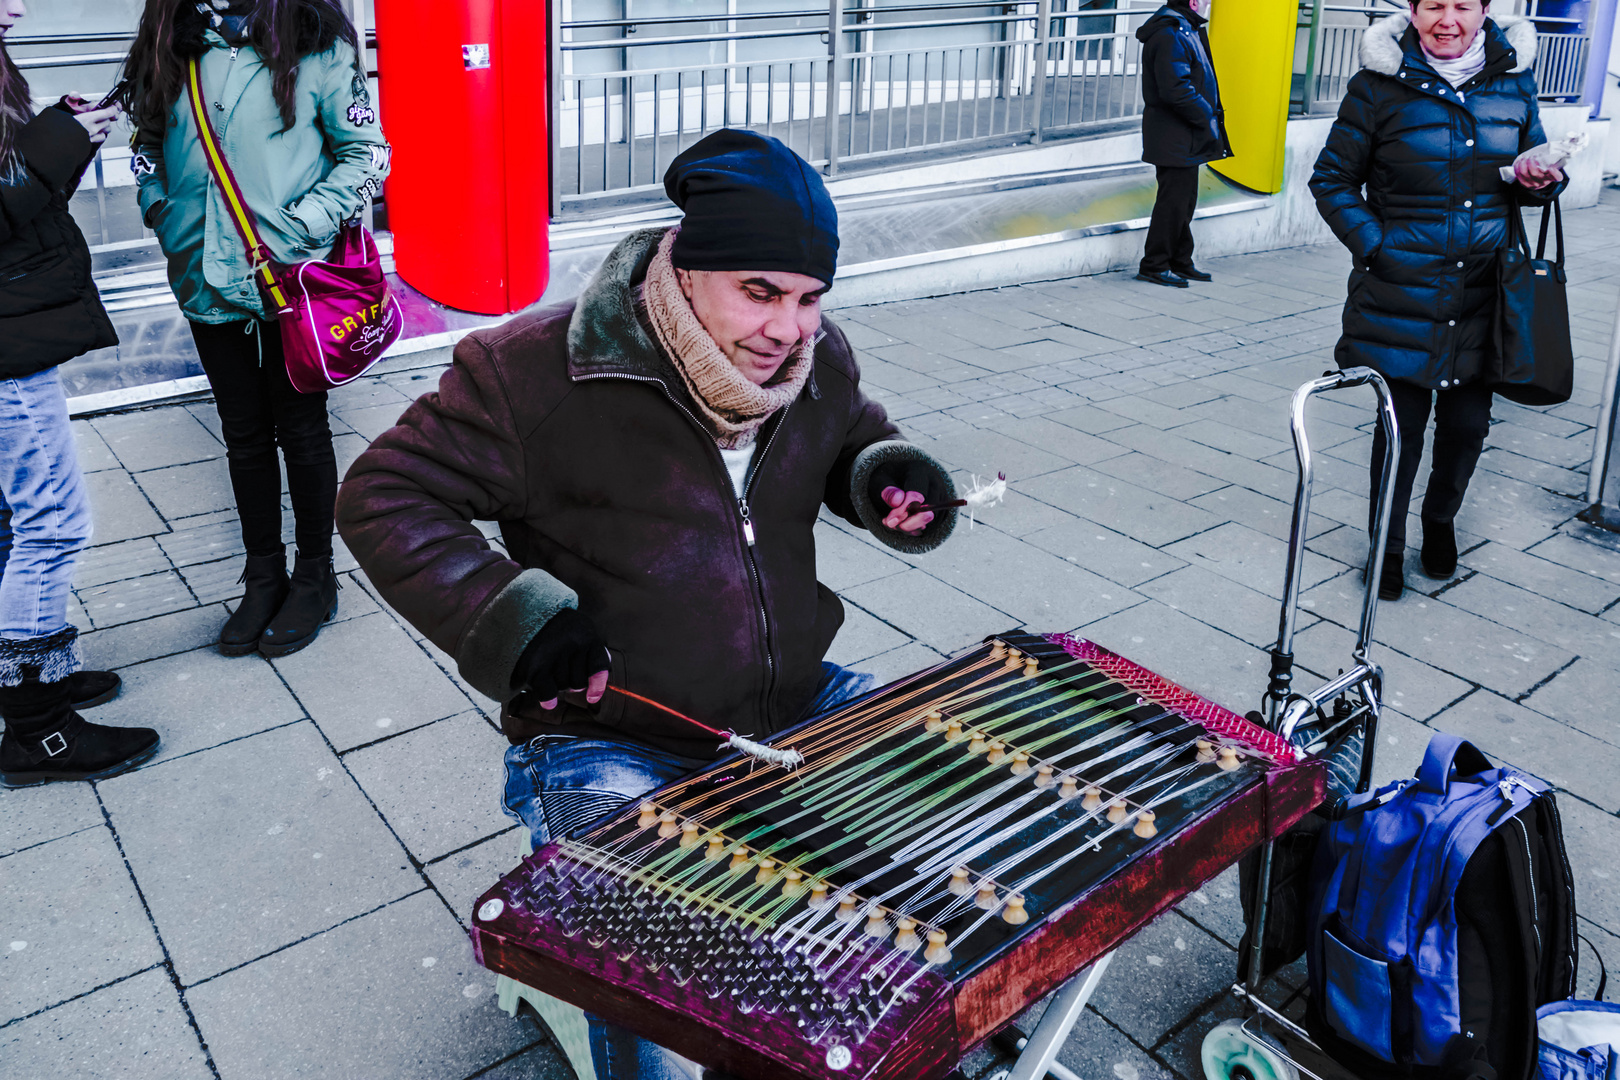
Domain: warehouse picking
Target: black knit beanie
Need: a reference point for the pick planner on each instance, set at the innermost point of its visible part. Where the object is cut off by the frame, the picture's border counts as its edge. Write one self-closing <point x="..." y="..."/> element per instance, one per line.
<point x="751" y="204"/>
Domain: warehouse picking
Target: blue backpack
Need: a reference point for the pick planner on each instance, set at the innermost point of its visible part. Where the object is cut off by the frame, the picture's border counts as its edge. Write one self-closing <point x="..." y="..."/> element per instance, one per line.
<point x="1442" y="914"/>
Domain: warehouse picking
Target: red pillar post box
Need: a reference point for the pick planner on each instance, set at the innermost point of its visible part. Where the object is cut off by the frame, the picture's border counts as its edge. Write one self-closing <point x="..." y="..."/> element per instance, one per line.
<point x="463" y="90"/>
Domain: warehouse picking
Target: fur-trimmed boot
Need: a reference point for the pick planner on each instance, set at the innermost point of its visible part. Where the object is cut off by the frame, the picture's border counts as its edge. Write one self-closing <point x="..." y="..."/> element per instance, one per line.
<point x="44" y="738"/>
<point x="311" y="603"/>
<point x="266" y="580"/>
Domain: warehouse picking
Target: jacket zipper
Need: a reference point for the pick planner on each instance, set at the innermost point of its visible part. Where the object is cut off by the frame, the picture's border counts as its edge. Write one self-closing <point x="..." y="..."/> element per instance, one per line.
<point x="742" y="509"/>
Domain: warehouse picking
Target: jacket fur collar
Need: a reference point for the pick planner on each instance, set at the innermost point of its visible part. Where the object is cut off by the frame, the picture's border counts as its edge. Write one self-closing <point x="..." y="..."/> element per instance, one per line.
<point x="1381" y="49"/>
<point x="604" y="334"/>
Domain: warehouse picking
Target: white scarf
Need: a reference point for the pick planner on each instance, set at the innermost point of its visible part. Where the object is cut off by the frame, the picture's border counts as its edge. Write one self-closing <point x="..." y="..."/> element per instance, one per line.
<point x="1465" y="67"/>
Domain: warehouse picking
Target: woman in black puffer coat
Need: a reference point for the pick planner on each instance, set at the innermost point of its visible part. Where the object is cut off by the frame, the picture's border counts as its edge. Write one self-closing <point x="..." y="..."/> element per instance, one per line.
<point x="1425" y="237"/>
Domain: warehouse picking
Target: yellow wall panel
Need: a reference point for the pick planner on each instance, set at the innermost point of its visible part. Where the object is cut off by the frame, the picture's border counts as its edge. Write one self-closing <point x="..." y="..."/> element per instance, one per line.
<point x="1252" y="45"/>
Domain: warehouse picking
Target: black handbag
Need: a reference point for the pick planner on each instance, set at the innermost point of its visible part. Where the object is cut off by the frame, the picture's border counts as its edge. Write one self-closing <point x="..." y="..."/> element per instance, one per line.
<point x="1533" y="360"/>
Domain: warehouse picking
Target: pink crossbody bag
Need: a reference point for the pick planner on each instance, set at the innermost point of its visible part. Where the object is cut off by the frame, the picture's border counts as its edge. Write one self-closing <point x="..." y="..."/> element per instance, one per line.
<point x="337" y="314"/>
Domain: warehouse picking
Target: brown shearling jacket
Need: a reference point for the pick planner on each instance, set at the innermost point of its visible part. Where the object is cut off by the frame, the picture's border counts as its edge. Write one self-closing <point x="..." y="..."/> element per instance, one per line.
<point x="571" y="430"/>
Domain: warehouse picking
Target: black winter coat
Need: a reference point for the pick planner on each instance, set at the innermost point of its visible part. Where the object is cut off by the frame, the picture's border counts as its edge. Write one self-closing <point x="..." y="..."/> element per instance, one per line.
<point x="1425" y="237"/>
<point x="1183" y="123"/>
<point x="50" y="311"/>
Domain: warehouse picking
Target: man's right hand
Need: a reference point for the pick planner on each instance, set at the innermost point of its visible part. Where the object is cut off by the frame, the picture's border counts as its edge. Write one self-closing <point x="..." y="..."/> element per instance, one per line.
<point x="567" y="654"/>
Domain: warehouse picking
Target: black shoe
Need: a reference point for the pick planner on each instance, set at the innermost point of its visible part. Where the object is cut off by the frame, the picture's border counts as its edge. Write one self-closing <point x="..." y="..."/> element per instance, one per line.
<point x="1392" y="582"/>
<point x="87" y="689"/>
<point x="1439" y="555"/>
<point x="46" y="740"/>
<point x="267" y="586"/>
<point x="1192" y="273"/>
<point x="311" y="603"/>
<point x="1163" y="277"/>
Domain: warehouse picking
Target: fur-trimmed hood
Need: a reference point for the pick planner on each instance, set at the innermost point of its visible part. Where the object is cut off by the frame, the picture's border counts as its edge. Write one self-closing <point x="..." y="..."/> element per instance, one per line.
<point x="1381" y="45"/>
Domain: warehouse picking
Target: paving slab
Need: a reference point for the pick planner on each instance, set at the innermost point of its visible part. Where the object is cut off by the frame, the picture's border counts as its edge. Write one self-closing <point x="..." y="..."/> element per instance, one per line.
<point x="1547" y="620"/>
<point x="439" y="786"/>
<point x="1584" y="591"/>
<point x="119" y="510"/>
<point x="182" y="491"/>
<point x="199" y="699"/>
<point x="1144" y="515"/>
<point x="1170" y="968"/>
<point x="863" y="636"/>
<point x="396" y="993"/>
<point x="162" y="635"/>
<point x="106" y="563"/>
<point x="1066" y="441"/>
<point x="1222" y="603"/>
<point x="1592" y="840"/>
<point x="73" y="922"/>
<point x="1581" y="696"/>
<point x="463" y="876"/>
<point x="133" y="1030"/>
<point x="1201" y="658"/>
<point x="542" y="1061"/>
<point x="843" y="560"/>
<point x="1564" y="757"/>
<point x="398" y="681"/>
<point x="94" y="454"/>
<point x="133" y="599"/>
<point x="156" y="438"/>
<point x="251" y="846"/>
<point x="1248" y="557"/>
<point x="899" y="663"/>
<point x="1104" y="552"/>
<point x="1410" y="685"/>
<point x="38" y="814"/>
<point x="1581" y="548"/>
<point x="934" y="613"/>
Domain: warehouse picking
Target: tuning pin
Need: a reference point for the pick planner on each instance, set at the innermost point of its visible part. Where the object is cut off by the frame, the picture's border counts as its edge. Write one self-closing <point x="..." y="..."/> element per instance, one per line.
<point x="818" y="896"/>
<point x="979" y="744"/>
<point x="667" y="826"/>
<point x="1144" y="825"/>
<point x="846" y="909"/>
<point x="960" y="885"/>
<point x="717" y="848"/>
<point x="689" y="834"/>
<point x="1093" y="798"/>
<point x="1014" y="658"/>
<point x="998" y="649"/>
<point x="793" y="884"/>
<point x="1031" y="666"/>
<point x="1116" y="811"/>
<point x="1228" y="758"/>
<point x="953" y="731"/>
<point x="933" y="721"/>
<point x="1206" y="750"/>
<point x="1014" y="912"/>
<point x="1020" y="763"/>
<point x="649" y="816"/>
<point x="876" y="926"/>
<point x="767" y="872"/>
<point x="986" y="898"/>
<point x="1043" y="777"/>
<point x="937" y="953"/>
<point x="739" y="861"/>
<point x="906" y="939"/>
<point x="998" y="752"/>
<point x="1069" y="788"/>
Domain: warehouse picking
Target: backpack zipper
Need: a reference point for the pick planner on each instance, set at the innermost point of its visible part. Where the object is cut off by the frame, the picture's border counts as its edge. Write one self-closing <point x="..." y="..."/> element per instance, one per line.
<point x="1529" y="862"/>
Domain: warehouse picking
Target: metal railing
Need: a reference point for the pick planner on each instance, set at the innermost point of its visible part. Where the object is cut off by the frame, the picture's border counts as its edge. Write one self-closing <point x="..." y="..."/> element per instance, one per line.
<point x="860" y="80"/>
<point x="1330" y="43"/>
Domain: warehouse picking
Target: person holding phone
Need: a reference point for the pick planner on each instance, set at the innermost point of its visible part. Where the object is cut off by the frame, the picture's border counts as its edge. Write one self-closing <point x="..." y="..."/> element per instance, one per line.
<point x="288" y="100"/>
<point x="49" y="313"/>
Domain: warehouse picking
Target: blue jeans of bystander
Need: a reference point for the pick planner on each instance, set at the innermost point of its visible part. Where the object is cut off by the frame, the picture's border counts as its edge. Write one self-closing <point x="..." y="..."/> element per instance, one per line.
<point x="556" y="783"/>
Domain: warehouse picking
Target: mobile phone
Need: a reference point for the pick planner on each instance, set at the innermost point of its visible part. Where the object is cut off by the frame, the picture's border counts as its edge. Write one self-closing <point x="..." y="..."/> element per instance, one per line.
<point x="116" y="94"/>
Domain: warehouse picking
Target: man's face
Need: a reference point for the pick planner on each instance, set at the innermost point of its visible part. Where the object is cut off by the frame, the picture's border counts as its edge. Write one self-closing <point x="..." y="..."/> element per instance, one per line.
<point x="757" y="317"/>
<point x="1201" y="6"/>
<point x="1447" y="27"/>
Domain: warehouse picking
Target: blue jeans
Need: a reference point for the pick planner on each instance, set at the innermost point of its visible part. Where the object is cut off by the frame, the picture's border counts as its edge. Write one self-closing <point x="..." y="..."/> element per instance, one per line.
<point x="557" y="783"/>
<point x="44" y="515"/>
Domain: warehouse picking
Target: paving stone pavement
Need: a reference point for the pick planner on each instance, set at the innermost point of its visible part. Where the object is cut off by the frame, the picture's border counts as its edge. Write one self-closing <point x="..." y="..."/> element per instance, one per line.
<point x="284" y="891"/>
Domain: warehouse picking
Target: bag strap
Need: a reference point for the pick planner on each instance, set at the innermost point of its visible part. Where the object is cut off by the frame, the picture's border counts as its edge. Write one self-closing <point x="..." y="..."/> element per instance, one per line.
<point x="1603" y="970"/>
<point x="247" y="227"/>
<point x="1444" y="751"/>
<point x="1518" y="236"/>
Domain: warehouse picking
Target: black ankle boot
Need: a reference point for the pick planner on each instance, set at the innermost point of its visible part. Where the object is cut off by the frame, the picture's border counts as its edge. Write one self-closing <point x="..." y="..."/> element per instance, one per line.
<point x="1439" y="555"/>
<point x="44" y="738"/>
<point x="311" y="603"/>
<point x="87" y="689"/>
<point x="1392" y="581"/>
<point x="267" y="586"/>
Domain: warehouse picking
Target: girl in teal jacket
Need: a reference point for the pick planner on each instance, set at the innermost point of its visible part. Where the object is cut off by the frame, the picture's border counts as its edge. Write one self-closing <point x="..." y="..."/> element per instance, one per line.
<point x="288" y="100"/>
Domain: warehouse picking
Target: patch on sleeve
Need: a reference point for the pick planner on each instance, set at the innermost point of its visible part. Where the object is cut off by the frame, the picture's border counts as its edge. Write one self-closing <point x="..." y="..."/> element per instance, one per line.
<point x="141" y="165"/>
<point x="381" y="157"/>
<point x="361" y="113"/>
<point x="370" y="189"/>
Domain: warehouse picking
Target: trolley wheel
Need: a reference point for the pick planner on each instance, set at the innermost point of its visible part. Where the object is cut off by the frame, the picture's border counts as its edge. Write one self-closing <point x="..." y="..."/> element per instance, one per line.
<point x="1229" y="1054"/>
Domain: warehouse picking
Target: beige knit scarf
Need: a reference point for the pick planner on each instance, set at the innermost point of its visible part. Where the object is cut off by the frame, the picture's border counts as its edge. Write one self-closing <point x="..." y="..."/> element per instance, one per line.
<point x="735" y="408"/>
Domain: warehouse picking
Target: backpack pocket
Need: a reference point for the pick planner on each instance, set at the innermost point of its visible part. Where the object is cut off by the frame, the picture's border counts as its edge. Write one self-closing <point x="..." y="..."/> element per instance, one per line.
<point x="1369" y="1001"/>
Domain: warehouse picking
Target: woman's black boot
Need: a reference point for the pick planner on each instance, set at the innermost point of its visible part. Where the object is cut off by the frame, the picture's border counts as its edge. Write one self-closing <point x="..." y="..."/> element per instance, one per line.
<point x="1439" y="555"/>
<point x="91" y="688"/>
<point x="267" y="587"/>
<point x="1392" y="581"/>
<point x="311" y="603"/>
<point x="44" y="738"/>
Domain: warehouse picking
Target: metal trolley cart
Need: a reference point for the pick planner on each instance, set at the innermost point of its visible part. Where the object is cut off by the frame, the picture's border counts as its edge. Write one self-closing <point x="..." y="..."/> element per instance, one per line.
<point x="1340" y="719"/>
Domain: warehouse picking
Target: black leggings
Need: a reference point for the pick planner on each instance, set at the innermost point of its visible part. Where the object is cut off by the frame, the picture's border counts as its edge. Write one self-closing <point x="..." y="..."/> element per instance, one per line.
<point x="258" y="411"/>
<point x="1462" y="419"/>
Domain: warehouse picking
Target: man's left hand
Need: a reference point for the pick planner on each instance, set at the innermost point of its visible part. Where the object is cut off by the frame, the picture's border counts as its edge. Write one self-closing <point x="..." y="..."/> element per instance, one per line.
<point x="1534" y="176"/>
<point x="899" y="487"/>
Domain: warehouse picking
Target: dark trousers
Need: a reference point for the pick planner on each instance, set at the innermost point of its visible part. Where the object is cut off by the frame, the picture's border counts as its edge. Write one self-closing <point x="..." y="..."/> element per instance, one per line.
<point x="258" y="411"/>
<point x="1169" y="236"/>
<point x="1462" y="419"/>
